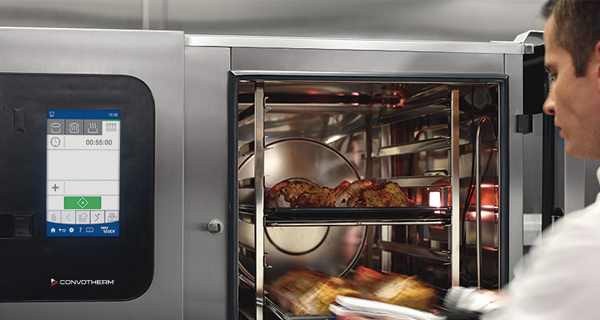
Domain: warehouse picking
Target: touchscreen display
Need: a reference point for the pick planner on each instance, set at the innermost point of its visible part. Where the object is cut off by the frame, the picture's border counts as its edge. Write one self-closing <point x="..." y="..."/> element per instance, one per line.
<point x="83" y="170"/>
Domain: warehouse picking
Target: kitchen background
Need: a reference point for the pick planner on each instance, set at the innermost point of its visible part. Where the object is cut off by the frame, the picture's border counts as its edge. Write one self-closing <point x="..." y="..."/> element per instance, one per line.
<point x="463" y="20"/>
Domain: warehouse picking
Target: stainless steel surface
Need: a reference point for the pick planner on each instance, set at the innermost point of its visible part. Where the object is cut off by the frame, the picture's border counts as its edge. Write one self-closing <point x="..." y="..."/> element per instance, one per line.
<point x="355" y="44"/>
<point x="441" y="256"/>
<point x="478" y="203"/>
<point x="384" y="62"/>
<point x="157" y="59"/>
<point x="514" y="68"/>
<point x="417" y="146"/>
<point x="259" y="198"/>
<point x="246" y="149"/>
<point x="454" y="236"/>
<point x="205" y="187"/>
<point x="386" y="169"/>
<point x="313" y="223"/>
<point x="321" y="107"/>
<point x="421" y="181"/>
<point x="574" y="189"/>
<point x="376" y="19"/>
<point x="525" y="36"/>
<point x="532" y="184"/>
<point x="215" y="226"/>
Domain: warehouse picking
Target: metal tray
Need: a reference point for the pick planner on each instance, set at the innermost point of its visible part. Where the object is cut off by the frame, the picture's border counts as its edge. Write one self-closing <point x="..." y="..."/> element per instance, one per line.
<point x="333" y="215"/>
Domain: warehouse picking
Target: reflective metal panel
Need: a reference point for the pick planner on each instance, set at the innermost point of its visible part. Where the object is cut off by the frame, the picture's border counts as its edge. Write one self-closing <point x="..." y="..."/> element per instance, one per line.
<point x="157" y="59"/>
<point x="206" y="182"/>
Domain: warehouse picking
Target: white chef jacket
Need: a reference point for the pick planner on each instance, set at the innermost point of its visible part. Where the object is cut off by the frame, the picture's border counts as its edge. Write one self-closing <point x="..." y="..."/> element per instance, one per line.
<point x="561" y="279"/>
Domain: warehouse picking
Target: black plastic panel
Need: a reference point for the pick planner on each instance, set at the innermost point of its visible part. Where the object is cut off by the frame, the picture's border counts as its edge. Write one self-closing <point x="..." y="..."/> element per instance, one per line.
<point x="37" y="268"/>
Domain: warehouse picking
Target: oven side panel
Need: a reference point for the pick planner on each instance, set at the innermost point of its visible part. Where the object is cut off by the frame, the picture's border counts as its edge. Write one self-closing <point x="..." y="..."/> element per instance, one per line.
<point x="206" y="184"/>
<point x="157" y="59"/>
<point x="512" y="247"/>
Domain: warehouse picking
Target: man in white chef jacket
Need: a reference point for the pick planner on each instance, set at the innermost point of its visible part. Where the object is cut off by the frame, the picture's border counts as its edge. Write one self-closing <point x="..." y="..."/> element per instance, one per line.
<point x="561" y="278"/>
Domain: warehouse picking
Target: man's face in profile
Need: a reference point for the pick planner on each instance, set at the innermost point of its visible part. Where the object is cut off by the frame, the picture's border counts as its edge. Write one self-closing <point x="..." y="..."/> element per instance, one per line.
<point x="574" y="101"/>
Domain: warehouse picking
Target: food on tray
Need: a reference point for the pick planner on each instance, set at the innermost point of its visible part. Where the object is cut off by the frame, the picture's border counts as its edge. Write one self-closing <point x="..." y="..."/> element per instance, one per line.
<point x="360" y="193"/>
<point x="306" y="292"/>
<point x="380" y="194"/>
<point x="350" y="191"/>
<point x="392" y="288"/>
<point x="285" y="193"/>
<point x="340" y="187"/>
<point x="317" y="300"/>
<point x="319" y="198"/>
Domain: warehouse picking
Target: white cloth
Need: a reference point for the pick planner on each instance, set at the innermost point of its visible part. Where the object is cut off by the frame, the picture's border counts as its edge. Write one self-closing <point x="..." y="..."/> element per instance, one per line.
<point x="561" y="279"/>
<point x="375" y="309"/>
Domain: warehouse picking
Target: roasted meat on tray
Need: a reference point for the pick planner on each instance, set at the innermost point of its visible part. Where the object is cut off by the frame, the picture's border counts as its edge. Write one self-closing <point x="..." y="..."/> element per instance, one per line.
<point x="358" y="194"/>
<point x="319" y="198"/>
<point x="393" y="288"/>
<point x="306" y="292"/>
<point x="380" y="194"/>
<point x="285" y="193"/>
<point x="349" y="191"/>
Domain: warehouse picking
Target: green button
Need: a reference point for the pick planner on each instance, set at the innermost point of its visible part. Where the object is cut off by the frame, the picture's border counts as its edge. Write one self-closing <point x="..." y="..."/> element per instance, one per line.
<point x="83" y="203"/>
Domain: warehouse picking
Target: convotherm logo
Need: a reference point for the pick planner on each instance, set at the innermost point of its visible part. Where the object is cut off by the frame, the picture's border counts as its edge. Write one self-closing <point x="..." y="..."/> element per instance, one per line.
<point x="69" y="282"/>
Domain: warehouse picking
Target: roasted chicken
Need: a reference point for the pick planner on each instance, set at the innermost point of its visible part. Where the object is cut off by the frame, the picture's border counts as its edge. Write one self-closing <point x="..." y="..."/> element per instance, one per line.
<point x="320" y="198"/>
<point x="360" y="193"/>
<point x="380" y="194"/>
<point x="351" y="190"/>
<point x="285" y="193"/>
<point x="306" y="292"/>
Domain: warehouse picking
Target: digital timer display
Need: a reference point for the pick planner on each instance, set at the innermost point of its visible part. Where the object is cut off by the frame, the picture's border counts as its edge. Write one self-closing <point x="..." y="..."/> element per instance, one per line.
<point x="83" y="173"/>
<point x="99" y="142"/>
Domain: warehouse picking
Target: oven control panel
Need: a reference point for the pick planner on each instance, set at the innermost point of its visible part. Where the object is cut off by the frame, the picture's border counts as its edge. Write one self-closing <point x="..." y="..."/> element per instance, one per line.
<point x="83" y="169"/>
<point x="77" y="195"/>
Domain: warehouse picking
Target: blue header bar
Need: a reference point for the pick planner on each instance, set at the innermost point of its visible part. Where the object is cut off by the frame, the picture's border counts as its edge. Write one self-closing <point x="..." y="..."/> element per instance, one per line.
<point x="84" y="114"/>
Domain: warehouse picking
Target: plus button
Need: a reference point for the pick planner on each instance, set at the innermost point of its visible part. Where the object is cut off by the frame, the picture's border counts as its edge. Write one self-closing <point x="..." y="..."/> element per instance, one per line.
<point x="55" y="187"/>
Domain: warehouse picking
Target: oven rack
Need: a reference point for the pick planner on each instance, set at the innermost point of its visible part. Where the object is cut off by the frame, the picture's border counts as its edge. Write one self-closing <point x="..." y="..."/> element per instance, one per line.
<point x="262" y="217"/>
<point x="294" y="217"/>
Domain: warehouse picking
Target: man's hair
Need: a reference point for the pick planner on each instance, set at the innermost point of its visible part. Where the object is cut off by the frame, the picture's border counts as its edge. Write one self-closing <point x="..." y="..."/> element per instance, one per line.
<point x="577" y="28"/>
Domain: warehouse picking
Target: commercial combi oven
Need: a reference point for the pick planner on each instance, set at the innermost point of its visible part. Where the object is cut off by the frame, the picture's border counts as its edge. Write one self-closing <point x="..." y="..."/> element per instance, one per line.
<point x="196" y="129"/>
<point x="432" y="117"/>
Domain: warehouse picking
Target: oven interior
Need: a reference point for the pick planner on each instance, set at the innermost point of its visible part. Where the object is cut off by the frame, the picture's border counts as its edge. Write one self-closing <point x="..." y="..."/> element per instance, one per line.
<point x="326" y="131"/>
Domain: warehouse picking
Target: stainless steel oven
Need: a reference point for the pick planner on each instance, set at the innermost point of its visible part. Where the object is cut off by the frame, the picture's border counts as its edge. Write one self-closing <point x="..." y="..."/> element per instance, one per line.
<point x="432" y="117"/>
<point x="221" y="121"/>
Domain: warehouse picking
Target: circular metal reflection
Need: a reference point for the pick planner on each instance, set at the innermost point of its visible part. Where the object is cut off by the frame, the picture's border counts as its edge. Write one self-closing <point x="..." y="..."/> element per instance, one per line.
<point x="331" y="249"/>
